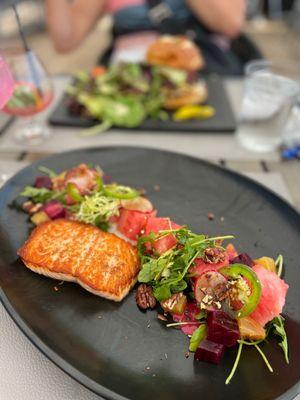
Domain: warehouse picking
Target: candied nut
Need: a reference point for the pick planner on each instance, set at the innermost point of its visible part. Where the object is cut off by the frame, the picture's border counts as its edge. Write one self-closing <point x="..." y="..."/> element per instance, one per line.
<point x="144" y="297"/>
<point x="27" y="205"/>
<point x="214" y="255"/>
<point x="31" y="208"/>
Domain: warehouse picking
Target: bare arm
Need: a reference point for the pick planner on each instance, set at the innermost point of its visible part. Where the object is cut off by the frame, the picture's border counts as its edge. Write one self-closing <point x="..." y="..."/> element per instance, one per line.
<point x="222" y="16"/>
<point x="70" y="21"/>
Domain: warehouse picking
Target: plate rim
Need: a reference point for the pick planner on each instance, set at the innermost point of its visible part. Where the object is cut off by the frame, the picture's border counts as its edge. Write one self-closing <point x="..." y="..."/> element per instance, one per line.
<point x="51" y="355"/>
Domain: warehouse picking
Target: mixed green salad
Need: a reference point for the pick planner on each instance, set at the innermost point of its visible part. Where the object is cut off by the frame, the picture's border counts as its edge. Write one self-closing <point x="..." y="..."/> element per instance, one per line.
<point x="126" y="94"/>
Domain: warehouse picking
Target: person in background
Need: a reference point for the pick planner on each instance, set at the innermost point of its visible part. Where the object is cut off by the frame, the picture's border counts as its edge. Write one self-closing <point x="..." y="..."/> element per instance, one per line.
<point x="212" y="25"/>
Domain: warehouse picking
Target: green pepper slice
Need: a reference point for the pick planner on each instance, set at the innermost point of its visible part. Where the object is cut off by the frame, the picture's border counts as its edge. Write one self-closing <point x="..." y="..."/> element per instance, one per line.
<point x="197" y="337"/>
<point x="74" y="193"/>
<point x="120" y="192"/>
<point x="235" y="271"/>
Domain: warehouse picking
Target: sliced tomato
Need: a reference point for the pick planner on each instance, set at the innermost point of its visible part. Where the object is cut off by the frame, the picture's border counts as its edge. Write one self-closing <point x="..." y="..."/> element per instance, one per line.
<point x="157" y="225"/>
<point x="250" y="329"/>
<point x="207" y="284"/>
<point x="131" y="223"/>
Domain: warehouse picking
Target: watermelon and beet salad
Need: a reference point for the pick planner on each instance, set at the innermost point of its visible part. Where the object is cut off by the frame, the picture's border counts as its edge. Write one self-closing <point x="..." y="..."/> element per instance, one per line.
<point x="216" y="296"/>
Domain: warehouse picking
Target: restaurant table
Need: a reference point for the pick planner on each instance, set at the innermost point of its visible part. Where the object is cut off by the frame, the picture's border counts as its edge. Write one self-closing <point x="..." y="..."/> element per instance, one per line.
<point x="25" y="373"/>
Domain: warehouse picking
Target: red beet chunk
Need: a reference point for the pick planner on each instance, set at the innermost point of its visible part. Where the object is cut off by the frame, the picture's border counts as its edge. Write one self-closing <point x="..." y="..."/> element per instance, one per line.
<point x="55" y="210"/>
<point x="43" y="181"/>
<point x="210" y="352"/>
<point x="222" y="329"/>
<point x="243" y="258"/>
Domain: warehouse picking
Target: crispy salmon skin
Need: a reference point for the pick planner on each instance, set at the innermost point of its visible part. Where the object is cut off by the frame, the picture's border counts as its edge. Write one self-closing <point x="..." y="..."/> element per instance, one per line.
<point x="99" y="261"/>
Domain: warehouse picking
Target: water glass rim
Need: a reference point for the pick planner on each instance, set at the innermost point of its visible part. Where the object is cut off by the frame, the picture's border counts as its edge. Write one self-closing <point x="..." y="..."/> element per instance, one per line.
<point x="291" y="85"/>
<point x="289" y="68"/>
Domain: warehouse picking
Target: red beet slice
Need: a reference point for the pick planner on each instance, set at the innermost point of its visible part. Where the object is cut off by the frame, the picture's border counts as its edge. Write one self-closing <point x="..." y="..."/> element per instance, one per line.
<point x="55" y="210"/>
<point x="43" y="181"/>
<point x="210" y="352"/>
<point x="222" y="329"/>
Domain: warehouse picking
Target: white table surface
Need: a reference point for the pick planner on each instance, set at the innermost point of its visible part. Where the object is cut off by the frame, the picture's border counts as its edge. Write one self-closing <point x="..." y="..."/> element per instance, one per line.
<point x="208" y="146"/>
<point x="25" y="373"/>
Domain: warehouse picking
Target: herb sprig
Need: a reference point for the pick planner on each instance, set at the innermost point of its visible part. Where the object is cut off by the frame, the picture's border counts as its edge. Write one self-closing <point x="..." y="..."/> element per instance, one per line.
<point x="167" y="273"/>
<point x="277" y="325"/>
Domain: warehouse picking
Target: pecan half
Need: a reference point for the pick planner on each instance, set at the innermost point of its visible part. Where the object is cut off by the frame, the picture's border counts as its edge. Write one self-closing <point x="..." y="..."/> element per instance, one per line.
<point x="31" y="208"/>
<point x="214" y="255"/>
<point x="144" y="297"/>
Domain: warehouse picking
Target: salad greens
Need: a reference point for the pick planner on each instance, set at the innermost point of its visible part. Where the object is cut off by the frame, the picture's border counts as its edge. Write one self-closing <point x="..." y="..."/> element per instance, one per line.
<point x="125" y="95"/>
<point x="168" y="273"/>
<point x="42" y="195"/>
<point x="96" y="208"/>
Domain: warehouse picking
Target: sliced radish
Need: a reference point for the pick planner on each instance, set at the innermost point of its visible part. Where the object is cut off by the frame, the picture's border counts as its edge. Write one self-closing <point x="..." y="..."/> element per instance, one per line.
<point x="207" y="284"/>
<point x="137" y="204"/>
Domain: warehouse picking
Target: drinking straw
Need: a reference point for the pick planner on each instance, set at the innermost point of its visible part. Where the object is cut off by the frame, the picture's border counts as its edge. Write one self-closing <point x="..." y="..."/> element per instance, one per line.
<point x="28" y="53"/>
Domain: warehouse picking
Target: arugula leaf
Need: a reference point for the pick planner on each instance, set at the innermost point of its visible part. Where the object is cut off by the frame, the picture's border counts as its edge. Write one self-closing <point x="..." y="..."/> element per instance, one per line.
<point x="150" y="270"/>
<point x="162" y="293"/>
<point x="278" y="325"/>
<point x="197" y="337"/>
<point x="42" y="195"/>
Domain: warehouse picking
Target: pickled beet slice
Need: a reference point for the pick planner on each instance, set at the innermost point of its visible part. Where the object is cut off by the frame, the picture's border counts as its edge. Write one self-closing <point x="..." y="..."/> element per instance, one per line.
<point x="210" y="352"/>
<point x="243" y="258"/>
<point x="222" y="329"/>
<point x="55" y="210"/>
<point x="43" y="182"/>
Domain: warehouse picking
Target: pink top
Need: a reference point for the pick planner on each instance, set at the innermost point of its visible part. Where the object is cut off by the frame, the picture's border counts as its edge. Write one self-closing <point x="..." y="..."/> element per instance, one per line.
<point x="115" y="5"/>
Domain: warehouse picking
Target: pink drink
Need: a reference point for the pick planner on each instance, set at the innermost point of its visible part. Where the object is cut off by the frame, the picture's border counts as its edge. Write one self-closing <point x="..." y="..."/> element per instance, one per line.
<point x="6" y="83"/>
<point x="39" y="103"/>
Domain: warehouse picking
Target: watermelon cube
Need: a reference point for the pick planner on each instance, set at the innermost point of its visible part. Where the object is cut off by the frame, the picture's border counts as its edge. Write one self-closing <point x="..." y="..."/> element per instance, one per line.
<point x="131" y="223"/>
<point x="156" y="225"/>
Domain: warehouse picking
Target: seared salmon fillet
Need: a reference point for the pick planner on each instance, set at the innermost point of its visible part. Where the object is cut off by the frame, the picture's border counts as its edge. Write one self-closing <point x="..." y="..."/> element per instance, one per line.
<point x="99" y="261"/>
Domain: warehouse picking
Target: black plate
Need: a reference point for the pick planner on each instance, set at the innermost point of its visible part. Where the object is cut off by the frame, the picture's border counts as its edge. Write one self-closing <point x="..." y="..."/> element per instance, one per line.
<point x="110" y="355"/>
<point x="223" y="121"/>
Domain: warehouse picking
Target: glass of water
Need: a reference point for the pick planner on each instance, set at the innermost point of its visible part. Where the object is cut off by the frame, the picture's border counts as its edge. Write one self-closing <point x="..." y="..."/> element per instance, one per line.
<point x="271" y="90"/>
